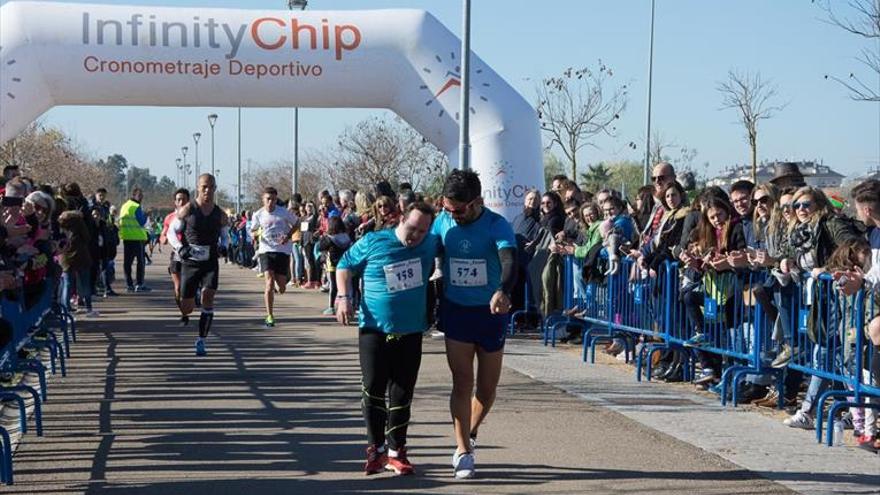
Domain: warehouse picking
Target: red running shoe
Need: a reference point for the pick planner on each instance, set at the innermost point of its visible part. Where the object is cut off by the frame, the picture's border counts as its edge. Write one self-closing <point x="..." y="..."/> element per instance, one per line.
<point x="376" y="461"/>
<point x="400" y="464"/>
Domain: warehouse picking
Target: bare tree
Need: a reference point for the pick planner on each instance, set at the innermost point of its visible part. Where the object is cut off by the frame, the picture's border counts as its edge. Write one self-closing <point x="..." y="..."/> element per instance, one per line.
<point x="753" y="97"/>
<point x="862" y="20"/>
<point x="312" y="178"/>
<point x="49" y="156"/>
<point x="576" y="106"/>
<point x="660" y="146"/>
<point x="381" y="149"/>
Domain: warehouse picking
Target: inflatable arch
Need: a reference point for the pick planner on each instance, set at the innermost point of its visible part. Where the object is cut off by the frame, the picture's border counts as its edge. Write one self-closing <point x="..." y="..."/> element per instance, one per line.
<point x="403" y="60"/>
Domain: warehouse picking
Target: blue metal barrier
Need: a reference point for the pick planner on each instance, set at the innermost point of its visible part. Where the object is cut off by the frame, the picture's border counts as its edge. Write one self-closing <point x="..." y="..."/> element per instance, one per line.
<point x="28" y="332"/>
<point x="829" y="343"/>
<point x="829" y="337"/>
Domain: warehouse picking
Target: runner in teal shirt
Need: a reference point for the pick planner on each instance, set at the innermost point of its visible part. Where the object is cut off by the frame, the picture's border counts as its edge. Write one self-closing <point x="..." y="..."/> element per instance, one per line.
<point x="395" y="280"/>
<point x="396" y="264"/>
<point x="471" y="266"/>
<point x="479" y="271"/>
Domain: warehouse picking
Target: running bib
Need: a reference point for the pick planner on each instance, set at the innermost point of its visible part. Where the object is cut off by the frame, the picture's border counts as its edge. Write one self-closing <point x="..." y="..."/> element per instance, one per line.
<point x="199" y="253"/>
<point x="304" y="227"/>
<point x="404" y="275"/>
<point x="468" y="273"/>
<point x="275" y="237"/>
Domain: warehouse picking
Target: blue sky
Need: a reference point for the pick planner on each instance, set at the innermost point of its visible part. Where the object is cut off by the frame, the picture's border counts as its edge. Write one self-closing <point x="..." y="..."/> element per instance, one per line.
<point x="696" y="43"/>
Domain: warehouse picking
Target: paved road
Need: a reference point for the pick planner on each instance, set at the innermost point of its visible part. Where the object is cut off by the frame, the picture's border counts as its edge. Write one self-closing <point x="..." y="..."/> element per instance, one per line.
<point x="277" y="411"/>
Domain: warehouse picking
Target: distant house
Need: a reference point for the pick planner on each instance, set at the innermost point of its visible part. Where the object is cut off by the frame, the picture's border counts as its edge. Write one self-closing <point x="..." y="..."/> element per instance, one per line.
<point x="815" y="174"/>
<point x="873" y="174"/>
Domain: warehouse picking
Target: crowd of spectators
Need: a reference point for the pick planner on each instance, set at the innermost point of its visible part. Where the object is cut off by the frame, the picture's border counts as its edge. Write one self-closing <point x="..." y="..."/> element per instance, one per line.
<point x="53" y="237"/>
<point x="767" y="237"/>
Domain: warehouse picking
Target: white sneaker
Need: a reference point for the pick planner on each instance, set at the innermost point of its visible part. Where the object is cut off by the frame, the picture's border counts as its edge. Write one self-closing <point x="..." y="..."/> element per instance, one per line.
<point x="463" y="465"/>
<point x="800" y="419"/>
<point x="437" y="334"/>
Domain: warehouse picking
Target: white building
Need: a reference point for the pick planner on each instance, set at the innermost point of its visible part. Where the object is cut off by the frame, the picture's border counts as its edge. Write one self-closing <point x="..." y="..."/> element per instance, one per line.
<point x="815" y="174"/>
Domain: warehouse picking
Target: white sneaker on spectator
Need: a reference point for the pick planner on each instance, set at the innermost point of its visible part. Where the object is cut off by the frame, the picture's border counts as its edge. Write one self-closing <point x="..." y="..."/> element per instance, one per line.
<point x="800" y="419"/>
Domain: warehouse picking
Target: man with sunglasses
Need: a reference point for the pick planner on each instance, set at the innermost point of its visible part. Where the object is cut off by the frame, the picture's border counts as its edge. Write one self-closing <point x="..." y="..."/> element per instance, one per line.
<point x="479" y="267"/>
<point x="181" y="198"/>
<point x="662" y="175"/>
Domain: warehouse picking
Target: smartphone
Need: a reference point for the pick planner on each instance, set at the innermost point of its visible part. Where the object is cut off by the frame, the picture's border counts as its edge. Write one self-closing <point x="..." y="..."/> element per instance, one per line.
<point x="10" y="201"/>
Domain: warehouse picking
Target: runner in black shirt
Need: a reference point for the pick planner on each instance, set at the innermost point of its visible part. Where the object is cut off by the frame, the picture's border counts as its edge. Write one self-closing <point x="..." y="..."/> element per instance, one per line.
<point x="204" y="240"/>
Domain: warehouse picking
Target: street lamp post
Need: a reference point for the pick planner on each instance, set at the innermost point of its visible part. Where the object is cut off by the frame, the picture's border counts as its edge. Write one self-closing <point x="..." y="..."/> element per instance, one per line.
<point x="464" y="112"/>
<point x="212" y="119"/>
<point x="238" y="185"/>
<point x="647" y="170"/>
<point x="301" y="5"/>
<point x="185" y="167"/>
<point x="179" y="172"/>
<point x="196" y="138"/>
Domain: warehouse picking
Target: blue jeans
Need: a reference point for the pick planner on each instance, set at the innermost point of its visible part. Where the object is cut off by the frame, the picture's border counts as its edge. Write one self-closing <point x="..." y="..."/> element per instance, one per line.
<point x="817" y="385"/>
<point x="82" y="280"/>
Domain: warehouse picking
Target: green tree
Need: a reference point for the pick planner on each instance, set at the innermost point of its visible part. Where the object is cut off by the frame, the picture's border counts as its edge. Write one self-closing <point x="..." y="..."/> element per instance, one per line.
<point x="596" y="177"/>
<point x="552" y="166"/>
<point x="115" y="166"/>
<point x="626" y="176"/>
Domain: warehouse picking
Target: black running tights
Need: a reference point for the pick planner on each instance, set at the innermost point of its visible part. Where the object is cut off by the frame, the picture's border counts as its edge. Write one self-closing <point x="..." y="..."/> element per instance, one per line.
<point x="389" y="364"/>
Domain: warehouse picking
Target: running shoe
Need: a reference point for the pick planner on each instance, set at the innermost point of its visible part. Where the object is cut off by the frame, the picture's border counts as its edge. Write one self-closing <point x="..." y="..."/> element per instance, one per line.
<point x="129" y="288"/>
<point x="400" y="464"/>
<point x="783" y="358"/>
<point x="697" y="340"/>
<point x="200" y="347"/>
<point x="376" y="461"/>
<point x="184" y="321"/>
<point x="800" y="420"/>
<point x="463" y="465"/>
<point x="142" y="288"/>
<point x="270" y="321"/>
<point x="866" y="442"/>
<point x="329" y="312"/>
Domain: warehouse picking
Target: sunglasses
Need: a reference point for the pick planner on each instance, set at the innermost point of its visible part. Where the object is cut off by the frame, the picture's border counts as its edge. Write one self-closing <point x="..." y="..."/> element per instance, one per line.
<point x="458" y="211"/>
<point x="785" y="206"/>
<point x="658" y="178"/>
<point x="805" y="205"/>
<point x="763" y="200"/>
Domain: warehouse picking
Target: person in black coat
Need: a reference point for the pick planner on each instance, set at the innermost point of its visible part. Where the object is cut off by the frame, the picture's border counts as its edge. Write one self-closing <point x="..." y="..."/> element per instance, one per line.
<point x="552" y="214"/>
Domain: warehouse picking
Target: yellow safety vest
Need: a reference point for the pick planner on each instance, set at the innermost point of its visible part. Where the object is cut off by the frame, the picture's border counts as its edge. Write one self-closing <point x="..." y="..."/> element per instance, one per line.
<point x="129" y="228"/>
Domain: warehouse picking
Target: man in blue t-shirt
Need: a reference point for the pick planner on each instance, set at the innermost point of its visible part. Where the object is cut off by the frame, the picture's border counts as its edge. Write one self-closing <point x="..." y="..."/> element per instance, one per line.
<point x="395" y="265"/>
<point x="479" y="270"/>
